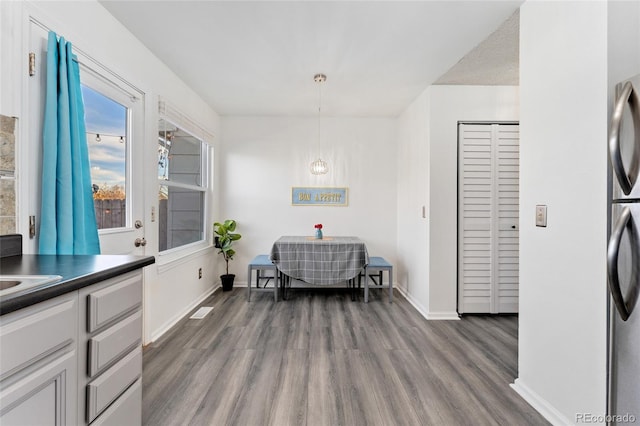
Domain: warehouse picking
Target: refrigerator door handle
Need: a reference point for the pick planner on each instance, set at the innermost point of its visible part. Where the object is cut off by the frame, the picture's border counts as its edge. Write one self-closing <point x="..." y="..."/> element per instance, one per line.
<point x="627" y="95"/>
<point x="625" y="222"/>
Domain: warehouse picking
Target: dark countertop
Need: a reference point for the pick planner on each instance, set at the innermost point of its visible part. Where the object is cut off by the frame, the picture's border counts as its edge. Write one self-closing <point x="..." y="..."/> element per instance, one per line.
<point x="77" y="271"/>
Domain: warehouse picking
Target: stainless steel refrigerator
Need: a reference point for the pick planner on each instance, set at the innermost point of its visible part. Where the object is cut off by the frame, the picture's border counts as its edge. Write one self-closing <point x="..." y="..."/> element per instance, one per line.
<point x="623" y="256"/>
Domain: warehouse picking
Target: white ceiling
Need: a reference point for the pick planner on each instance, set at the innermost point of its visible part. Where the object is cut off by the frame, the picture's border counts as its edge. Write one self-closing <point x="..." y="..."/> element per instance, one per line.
<point x="259" y="58"/>
<point x="495" y="61"/>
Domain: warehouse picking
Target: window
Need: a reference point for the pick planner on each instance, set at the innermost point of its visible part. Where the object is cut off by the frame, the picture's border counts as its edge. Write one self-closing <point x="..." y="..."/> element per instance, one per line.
<point x="106" y="126"/>
<point x="183" y="172"/>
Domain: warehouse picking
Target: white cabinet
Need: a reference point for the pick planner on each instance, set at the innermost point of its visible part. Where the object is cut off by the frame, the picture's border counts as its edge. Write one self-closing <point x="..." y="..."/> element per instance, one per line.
<point x="124" y="409"/>
<point x="46" y="397"/>
<point x="110" y="354"/>
<point x="38" y="364"/>
<point x="75" y="359"/>
<point x="488" y="215"/>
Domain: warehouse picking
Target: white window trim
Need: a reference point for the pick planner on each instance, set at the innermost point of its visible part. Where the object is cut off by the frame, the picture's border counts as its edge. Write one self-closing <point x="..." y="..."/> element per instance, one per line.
<point x="175" y="256"/>
<point x="172" y="114"/>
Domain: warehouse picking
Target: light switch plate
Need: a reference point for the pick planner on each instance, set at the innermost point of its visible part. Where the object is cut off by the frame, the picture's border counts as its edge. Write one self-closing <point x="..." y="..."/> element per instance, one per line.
<point x="541" y="216"/>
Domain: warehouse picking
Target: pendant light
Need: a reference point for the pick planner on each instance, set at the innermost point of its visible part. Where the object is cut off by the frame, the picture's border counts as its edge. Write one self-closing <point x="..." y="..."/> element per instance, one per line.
<point x="319" y="166"/>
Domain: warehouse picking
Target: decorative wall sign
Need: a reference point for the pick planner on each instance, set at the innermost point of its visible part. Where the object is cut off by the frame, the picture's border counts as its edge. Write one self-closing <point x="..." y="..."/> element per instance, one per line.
<point x="304" y="196"/>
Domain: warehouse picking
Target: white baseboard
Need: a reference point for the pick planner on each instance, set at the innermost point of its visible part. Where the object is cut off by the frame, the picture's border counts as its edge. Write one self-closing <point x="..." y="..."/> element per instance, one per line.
<point x="425" y="312"/>
<point x="174" y="320"/>
<point x="540" y="404"/>
<point x="421" y="309"/>
<point x="443" y="316"/>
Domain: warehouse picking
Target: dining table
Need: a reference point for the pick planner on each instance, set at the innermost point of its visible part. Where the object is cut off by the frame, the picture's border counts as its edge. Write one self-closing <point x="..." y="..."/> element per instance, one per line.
<point x="327" y="261"/>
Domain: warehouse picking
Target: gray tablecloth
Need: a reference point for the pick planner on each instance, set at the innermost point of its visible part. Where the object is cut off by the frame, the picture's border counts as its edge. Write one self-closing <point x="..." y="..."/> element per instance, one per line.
<point x="322" y="262"/>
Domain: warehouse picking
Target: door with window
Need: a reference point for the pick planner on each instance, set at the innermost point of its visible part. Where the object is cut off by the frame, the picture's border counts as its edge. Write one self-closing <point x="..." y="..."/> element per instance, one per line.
<point x="114" y="118"/>
<point x="488" y="214"/>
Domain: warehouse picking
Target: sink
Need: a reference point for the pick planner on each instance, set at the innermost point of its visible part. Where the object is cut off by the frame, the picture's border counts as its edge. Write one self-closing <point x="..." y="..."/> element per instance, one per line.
<point x="13" y="283"/>
<point x="5" y="284"/>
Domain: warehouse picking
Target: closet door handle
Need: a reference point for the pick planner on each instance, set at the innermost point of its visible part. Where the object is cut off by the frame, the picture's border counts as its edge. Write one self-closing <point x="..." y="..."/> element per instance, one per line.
<point x="624" y="223"/>
<point x="626" y="96"/>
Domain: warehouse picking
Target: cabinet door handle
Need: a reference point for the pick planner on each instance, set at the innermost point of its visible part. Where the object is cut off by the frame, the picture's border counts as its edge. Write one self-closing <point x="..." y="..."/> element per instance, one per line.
<point x="624" y="307"/>
<point x="627" y="96"/>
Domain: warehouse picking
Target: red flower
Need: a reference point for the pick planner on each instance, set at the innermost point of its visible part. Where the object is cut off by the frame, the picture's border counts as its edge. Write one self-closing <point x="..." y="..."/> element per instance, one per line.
<point x="318" y="226"/>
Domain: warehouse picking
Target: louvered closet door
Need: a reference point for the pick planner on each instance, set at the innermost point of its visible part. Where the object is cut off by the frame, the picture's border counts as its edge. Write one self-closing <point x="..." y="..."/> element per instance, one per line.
<point x="488" y="218"/>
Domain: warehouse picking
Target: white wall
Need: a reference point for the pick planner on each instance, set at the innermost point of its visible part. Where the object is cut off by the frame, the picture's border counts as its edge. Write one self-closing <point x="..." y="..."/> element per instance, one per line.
<point x="10" y="28"/>
<point x="413" y="166"/>
<point x="563" y="131"/>
<point x="264" y="157"/>
<point x="449" y="105"/>
<point x="427" y="175"/>
<point x="171" y="289"/>
<point x="623" y="32"/>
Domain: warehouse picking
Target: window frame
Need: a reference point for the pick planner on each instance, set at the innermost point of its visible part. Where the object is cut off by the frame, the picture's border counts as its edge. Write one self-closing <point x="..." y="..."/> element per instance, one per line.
<point x="169" y="114"/>
<point x="104" y="81"/>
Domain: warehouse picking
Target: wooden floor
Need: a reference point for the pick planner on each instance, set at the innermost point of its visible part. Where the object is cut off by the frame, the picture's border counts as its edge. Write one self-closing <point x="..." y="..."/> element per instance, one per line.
<point x="321" y="359"/>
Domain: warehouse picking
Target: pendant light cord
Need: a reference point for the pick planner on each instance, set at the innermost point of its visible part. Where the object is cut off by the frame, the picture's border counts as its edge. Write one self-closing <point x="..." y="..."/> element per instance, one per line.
<point x="319" y="112"/>
<point x="318" y="166"/>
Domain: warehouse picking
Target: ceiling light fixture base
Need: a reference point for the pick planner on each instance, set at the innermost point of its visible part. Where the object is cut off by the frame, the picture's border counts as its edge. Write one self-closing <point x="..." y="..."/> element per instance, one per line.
<point x="319" y="78"/>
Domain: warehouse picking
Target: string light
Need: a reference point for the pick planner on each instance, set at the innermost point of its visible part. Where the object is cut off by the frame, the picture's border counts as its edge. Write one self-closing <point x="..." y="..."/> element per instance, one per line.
<point x="99" y="136"/>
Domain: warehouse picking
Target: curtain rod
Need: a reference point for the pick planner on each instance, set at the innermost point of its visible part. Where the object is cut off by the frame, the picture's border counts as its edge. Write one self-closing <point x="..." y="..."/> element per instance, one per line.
<point x="95" y="63"/>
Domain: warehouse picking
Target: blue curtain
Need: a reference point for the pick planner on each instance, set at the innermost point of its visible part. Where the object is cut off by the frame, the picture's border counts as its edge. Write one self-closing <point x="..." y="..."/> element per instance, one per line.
<point x="68" y="220"/>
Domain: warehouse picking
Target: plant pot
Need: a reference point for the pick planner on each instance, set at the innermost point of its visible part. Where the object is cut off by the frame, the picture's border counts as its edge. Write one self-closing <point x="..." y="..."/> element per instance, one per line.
<point x="227" y="281"/>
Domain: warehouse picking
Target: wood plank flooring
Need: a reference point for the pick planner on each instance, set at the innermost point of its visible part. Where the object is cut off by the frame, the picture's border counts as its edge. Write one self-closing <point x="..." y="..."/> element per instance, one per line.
<point x="321" y="359"/>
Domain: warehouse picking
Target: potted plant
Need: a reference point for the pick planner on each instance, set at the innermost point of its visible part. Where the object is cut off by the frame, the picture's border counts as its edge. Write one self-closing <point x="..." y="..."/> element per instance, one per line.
<point x="224" y="241"/>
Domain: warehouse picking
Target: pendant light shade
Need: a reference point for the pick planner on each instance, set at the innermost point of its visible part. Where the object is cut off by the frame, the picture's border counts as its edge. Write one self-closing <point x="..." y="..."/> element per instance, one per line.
<point x="319" y="167"/>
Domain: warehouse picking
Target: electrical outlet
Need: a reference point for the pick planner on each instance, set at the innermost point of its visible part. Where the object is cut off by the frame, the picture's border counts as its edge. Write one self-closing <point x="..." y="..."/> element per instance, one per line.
<point x="541" y="216"/>
<point x="199" y="273"/>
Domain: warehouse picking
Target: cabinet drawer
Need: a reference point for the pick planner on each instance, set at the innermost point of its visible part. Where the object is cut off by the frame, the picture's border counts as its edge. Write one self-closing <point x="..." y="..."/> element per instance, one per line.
<point x="127" y="410"/>
<point x="112" y="383"/>
<point x="32" y="334"/>
<point x="108" y="346"/>
<point x="112" y="302"/>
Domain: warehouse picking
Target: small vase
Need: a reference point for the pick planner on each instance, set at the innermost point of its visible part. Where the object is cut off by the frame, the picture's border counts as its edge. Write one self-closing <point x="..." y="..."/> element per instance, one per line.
<point x="318" y="234"/>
